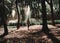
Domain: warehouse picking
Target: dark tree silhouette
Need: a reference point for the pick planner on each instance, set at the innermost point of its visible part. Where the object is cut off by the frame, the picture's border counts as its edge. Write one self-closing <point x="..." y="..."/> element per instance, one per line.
<point x="45" y="28"/>
<point x="52" y="14"/>
<point x="3" y="16"/>
<point x="44" y="16"/>
<point x="18" y="25"/>
<point x="59" y="7"/>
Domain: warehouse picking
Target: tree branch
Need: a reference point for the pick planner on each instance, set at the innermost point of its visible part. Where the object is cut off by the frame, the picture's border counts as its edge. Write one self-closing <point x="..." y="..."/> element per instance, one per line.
<point x="47" y="2"/>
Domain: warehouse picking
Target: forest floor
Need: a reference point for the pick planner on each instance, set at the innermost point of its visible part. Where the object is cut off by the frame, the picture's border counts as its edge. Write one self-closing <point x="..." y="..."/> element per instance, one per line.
<point x="23" y="35"/>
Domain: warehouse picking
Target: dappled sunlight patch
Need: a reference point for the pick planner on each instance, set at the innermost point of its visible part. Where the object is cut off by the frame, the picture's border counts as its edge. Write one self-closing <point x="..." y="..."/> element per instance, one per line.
<point x="51" y="26"/>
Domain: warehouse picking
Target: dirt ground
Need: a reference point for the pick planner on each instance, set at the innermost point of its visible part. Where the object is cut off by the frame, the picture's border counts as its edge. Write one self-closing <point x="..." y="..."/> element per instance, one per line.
<point x="22" y="35"/>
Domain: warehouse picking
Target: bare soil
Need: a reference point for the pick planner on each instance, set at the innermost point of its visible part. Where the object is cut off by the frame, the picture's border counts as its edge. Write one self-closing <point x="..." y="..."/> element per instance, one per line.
<point x="22" y="35"/>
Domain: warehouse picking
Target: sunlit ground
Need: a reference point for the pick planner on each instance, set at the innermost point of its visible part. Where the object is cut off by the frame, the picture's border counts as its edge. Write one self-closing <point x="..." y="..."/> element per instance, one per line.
<point x="22" y="35"/>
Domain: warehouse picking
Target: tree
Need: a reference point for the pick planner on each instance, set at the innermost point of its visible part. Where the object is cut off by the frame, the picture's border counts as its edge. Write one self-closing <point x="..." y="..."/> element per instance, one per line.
<point x="52" y="14"/>
<point x="44" y="16"/>
<point x="18" y="25"/>
<point x="59" y="7"/>
<point x="45" y="28"/>
<point x="3" y="16"/>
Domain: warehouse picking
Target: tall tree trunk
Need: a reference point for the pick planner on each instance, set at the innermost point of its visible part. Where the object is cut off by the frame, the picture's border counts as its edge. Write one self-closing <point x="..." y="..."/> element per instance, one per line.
<point x="4" y="21"/>
<point x="45" y="28"/>
<point x="59" y="7"/>
<point x="44" y="16"/>
<point x="3" y="18"/>
<point x="18" y="25"/>
<point x="52" y="14"/>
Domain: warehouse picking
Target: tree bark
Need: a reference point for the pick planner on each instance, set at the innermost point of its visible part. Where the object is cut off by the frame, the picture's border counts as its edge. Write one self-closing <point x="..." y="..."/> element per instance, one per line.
<point x="59" y="7"/>
<point x="44" y="16"/>
<point x="3" y="15"/>
<point x="18" y="25"/>
<point x="52" y="14"/>
<point x="45" y="28"/>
